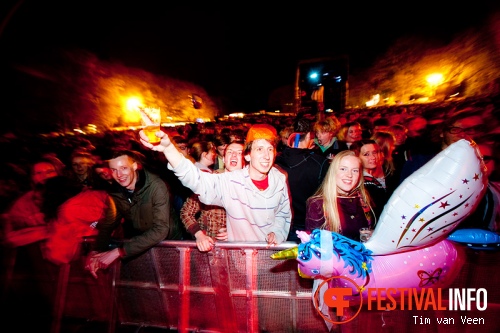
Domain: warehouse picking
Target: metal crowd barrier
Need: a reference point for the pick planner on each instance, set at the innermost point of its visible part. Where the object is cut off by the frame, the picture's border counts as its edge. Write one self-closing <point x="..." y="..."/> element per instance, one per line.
<point x="236" y="287"/>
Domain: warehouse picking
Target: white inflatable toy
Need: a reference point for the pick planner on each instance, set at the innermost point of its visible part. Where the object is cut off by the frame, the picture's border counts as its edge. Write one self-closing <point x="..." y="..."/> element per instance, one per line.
<point x="431" y="202"/>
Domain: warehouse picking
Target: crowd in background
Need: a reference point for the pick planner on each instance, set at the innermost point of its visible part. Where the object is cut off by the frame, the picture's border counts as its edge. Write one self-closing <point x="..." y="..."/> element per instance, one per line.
<point x="403" y="137"/>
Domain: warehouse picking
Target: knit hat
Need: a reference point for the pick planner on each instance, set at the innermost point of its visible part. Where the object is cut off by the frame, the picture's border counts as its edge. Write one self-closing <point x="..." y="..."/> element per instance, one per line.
<point x="261" y="131"/>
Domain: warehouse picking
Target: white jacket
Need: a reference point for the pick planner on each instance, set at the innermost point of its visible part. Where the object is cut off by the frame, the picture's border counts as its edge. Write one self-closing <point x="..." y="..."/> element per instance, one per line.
<point x="251" y="214"/>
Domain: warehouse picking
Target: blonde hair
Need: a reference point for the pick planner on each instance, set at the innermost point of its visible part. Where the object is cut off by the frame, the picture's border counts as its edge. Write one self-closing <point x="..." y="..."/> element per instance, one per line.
<point x="328" y="191"/>
<point x="330" y="124"/>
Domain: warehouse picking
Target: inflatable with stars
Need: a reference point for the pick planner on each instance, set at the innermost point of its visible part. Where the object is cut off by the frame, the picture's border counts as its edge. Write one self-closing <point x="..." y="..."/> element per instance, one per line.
<point x="432" y="201"/>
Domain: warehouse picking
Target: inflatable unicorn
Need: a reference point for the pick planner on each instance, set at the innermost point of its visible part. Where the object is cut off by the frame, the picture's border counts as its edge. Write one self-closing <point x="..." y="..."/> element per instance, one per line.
<point x="324" y="254"/>
<point x="409" y="246"/>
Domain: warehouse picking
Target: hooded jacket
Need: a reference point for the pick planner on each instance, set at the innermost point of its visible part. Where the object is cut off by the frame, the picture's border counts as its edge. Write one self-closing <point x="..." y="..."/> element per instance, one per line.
<point x="148" y="215"/>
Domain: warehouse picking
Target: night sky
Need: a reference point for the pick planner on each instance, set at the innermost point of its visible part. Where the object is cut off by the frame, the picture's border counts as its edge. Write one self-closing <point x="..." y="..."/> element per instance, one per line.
<point x="239" y="51"/>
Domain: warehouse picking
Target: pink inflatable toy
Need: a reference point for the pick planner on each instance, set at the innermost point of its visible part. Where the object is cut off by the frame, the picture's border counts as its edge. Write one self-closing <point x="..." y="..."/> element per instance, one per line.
<point x="324" y="254"/>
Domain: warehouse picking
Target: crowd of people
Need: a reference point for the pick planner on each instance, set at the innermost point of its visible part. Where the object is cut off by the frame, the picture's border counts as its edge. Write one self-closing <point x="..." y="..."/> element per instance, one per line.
<point x="258" y="180"/>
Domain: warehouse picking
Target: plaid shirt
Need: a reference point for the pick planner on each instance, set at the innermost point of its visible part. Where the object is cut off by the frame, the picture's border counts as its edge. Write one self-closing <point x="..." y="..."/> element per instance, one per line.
<point x="211" y="218"/>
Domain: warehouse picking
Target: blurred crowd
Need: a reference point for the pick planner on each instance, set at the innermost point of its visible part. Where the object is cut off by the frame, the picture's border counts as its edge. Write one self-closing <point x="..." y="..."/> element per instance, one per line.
<point x="390" y="141"/>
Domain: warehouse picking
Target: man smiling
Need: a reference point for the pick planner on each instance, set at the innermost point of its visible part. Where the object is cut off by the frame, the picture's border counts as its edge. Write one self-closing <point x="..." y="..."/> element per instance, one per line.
<point x="143" y="201"/>
<point x="256" y="197"/>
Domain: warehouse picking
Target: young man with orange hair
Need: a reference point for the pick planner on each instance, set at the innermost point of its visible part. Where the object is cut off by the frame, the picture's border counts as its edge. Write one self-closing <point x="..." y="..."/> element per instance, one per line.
<point x="256" y="198"/>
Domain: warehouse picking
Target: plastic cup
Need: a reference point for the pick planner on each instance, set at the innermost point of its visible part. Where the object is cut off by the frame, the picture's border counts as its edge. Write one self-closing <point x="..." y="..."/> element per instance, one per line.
<point x="150" y="132"/>
<point x="365" y="234"/>
<point x="151" y="120"/>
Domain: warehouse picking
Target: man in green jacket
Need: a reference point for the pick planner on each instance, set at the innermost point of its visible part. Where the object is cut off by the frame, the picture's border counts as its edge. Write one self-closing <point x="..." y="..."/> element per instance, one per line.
<point x="144" y="208"/>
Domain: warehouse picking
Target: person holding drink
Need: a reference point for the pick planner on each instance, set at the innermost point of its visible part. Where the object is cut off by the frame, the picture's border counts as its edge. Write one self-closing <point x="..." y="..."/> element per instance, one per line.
<point x="151" y="120"/>
<point x="144" y="208"/>
<point x="256" y="198"/>
<point x="342" y="204"/>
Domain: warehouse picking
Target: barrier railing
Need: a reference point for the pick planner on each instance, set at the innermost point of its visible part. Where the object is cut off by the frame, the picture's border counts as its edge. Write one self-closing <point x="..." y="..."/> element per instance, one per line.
<point x="236" y="287"/>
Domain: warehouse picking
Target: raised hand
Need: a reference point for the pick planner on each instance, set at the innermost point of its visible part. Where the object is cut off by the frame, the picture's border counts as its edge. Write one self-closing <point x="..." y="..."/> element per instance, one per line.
<point x="166" y="146"/>
<point x="164" y="143"/>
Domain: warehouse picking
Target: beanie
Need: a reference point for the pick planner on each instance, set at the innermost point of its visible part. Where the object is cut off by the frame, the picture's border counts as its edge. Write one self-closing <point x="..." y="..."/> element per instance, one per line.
<point x="261" y="131"/>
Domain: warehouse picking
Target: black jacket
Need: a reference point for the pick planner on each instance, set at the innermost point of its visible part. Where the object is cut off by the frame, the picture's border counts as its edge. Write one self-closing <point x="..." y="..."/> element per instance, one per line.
<point x="306" y="170"/>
